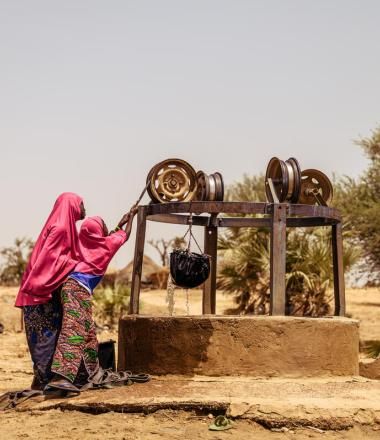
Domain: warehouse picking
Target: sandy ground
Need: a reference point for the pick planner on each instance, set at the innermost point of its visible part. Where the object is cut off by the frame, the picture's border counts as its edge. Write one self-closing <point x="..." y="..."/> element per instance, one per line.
<point x="362" y="304"/>
<point x="15" y="373"/>
<point x="161" y="426"/>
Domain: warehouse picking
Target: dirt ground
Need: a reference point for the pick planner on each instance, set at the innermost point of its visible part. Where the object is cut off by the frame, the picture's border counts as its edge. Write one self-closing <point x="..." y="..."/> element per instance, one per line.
<point x="15" y="373"/>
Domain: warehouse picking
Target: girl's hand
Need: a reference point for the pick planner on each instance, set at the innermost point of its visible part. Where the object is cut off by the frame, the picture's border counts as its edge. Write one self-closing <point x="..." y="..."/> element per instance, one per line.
<point x="134" y="210"/>
<point x="128" y="216"/>
<point x="132" y="214"/>
<point x="124" y="220"/>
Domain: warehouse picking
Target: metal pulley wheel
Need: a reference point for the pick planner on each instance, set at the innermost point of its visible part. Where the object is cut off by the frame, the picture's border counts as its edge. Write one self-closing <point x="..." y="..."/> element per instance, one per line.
<point x="172" y="180"/>
<point x="210" y="187"/>
<point x="316" y="188"/>
<point x="284" y="179"/>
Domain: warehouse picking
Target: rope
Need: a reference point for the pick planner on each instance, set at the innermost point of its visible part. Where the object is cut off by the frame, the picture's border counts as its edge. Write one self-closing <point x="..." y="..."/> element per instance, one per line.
<point x="190" y="232"/>
<point x="142" y="194"/>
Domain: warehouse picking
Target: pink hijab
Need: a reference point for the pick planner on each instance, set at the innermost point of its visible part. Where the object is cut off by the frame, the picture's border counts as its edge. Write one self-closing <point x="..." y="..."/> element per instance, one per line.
<point x="96" y="249"/>
<point x="55" y="253"/>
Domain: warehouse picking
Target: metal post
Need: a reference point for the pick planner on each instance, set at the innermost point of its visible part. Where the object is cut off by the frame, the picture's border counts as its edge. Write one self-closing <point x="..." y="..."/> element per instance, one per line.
<point x="138" y="261"/>
<point x="278" y="259"/>
<point x="209" y="287"/>
<point x="338" y="270"/>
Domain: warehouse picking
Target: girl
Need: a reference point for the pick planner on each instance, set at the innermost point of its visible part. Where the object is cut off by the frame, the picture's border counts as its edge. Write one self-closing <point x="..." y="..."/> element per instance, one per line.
<point x="54" y="256"/>
<point x="77" y="346"/>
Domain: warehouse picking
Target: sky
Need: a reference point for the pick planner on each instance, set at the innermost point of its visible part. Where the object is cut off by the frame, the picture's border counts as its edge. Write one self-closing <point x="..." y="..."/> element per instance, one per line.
<point x="94" y="93"/>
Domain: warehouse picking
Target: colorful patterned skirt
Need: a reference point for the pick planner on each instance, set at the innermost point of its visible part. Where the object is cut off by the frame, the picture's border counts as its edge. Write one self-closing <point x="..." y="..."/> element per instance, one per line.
<point x="77" y="345"/>
<point x="42" y="325"/>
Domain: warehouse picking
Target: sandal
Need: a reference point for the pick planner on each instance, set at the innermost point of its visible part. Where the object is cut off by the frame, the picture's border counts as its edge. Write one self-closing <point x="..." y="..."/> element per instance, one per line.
<point x="13" y="398"/>
<point x="221" y="423"/>
<point x="60" y="386"/>
<point x="110" y="379"/>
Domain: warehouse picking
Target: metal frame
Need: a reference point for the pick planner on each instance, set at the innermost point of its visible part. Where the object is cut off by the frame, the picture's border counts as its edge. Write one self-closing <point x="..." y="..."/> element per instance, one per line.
<point x="275" y="216"/>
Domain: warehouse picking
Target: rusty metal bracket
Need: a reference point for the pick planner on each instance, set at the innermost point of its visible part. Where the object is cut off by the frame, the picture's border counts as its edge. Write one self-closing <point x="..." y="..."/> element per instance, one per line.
<point x="271" y="206"/>
<point x="213" y="220"/>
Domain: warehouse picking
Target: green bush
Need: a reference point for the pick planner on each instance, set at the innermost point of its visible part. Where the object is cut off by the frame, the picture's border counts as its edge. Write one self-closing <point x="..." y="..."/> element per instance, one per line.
<point x="372" y="348"/>
<point x="110" y="303"/>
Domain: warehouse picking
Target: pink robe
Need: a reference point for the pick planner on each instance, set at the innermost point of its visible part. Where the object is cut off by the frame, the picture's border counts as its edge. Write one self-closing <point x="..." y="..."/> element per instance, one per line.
<point x="95" y="248"/>
<point x="55" y="253"/>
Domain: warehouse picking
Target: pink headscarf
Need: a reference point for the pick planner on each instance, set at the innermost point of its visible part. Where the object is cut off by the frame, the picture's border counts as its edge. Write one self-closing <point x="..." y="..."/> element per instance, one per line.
<point x="55" y="253"/>
<point x="96" y="249"/>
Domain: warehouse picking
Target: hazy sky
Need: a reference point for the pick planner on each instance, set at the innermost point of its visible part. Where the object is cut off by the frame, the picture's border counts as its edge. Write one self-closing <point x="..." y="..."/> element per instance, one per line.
<point x="93" y="93"/>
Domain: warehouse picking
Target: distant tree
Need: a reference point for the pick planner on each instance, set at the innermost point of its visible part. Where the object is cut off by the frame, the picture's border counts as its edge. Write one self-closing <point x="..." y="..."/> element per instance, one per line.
<point x="15" y="259"/>
<point x="250" y="188"/>
<point x="358" y="200"/>
<point x="163" y="247"/>
<point x="178" y="243"/>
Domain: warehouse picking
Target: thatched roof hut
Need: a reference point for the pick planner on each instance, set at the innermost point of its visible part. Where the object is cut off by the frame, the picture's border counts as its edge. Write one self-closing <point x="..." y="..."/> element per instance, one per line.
<point x="149" y="268"/>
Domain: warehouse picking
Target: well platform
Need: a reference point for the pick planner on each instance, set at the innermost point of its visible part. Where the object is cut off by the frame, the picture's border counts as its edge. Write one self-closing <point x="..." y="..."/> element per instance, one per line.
<point x="259" y="346"/>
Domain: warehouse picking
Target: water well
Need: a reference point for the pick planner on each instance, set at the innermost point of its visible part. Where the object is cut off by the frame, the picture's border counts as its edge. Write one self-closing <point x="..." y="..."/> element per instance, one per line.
<point x="259" y="346"/>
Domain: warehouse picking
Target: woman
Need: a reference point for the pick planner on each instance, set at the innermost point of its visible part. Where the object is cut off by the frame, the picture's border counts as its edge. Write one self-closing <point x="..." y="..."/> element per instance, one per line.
<point x="76" y="356"/>
<point x="54" y="256"/>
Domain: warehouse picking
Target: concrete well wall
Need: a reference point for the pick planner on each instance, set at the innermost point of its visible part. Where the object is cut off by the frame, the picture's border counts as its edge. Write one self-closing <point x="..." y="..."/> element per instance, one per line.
<point x="261" y="346"/>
